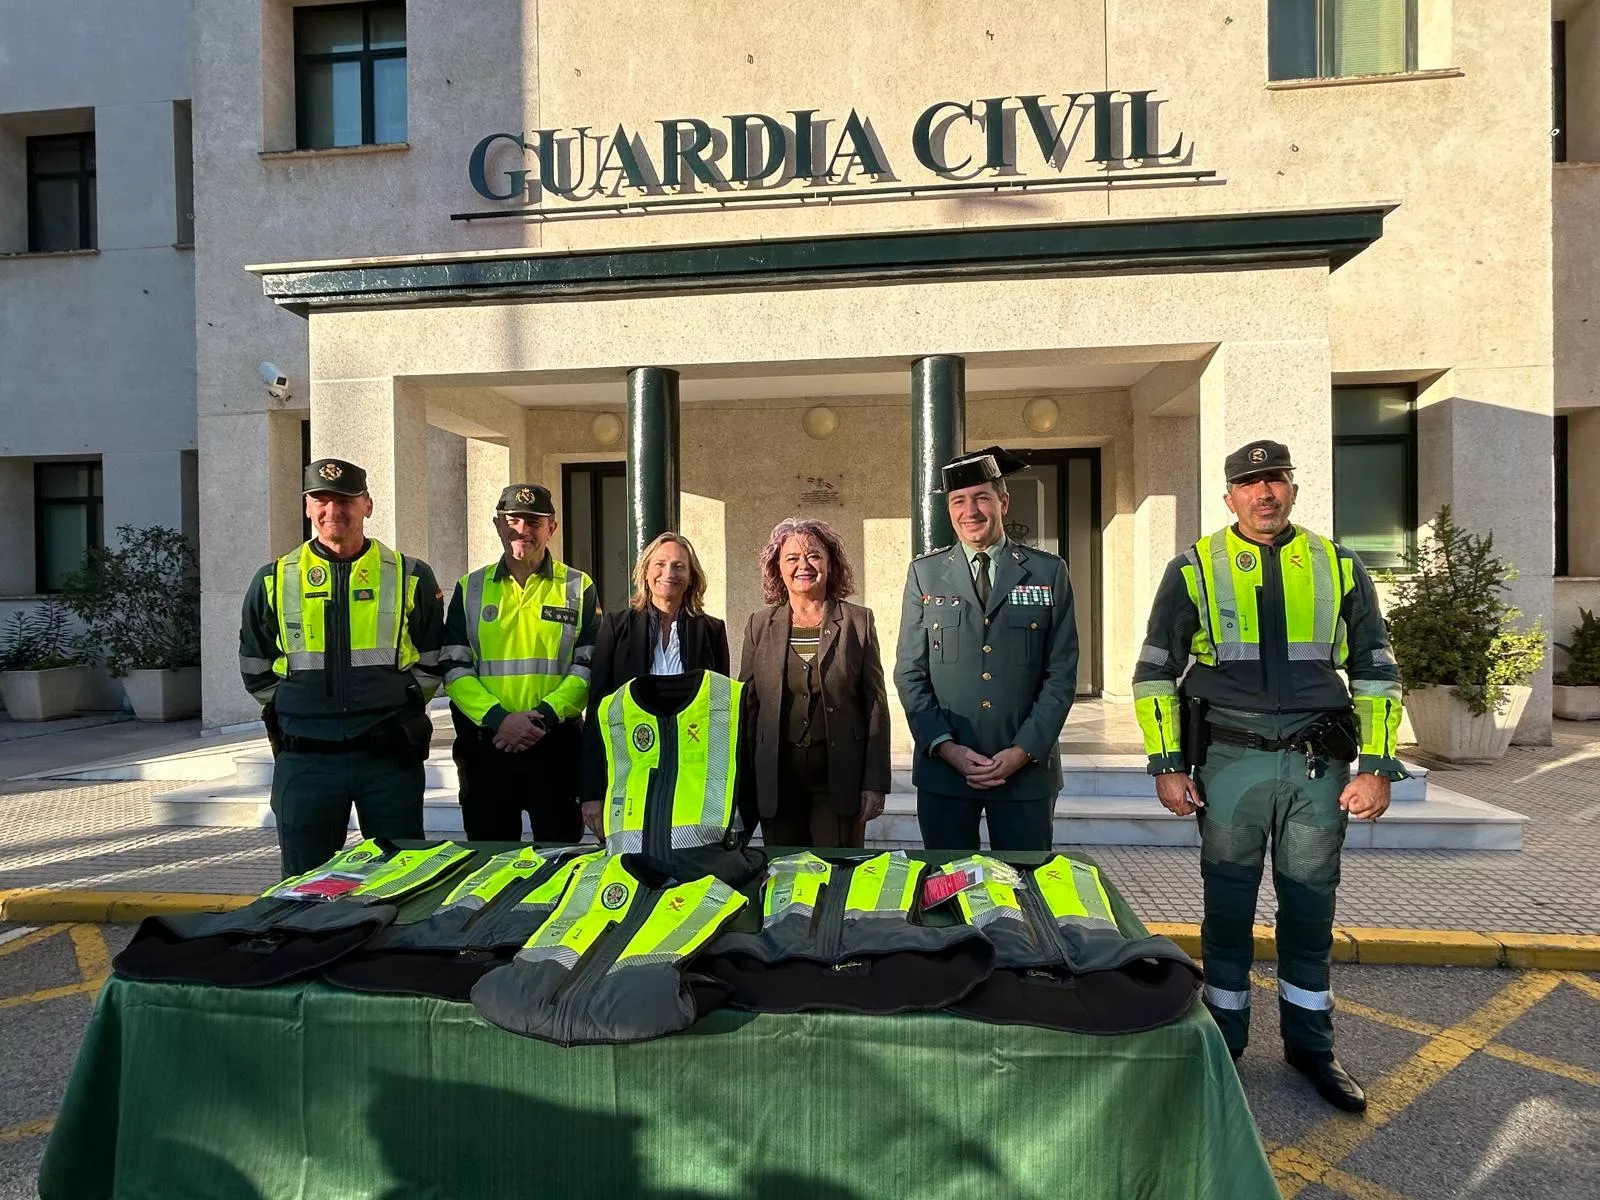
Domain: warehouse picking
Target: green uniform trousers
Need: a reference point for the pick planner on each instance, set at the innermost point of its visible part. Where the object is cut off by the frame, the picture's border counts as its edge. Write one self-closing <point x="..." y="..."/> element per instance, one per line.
<point x="1253" y="796"/>
<point x="312" y="794"/>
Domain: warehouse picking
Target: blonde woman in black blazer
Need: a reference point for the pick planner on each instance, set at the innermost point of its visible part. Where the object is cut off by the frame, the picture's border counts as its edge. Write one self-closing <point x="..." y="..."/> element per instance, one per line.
<point x="665" y="630"/>
<point x="820" y="709"/>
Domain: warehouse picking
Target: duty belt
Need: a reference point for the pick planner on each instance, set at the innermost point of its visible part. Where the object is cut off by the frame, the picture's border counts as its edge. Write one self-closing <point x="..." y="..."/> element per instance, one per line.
<point x="1229" y="736"/>
<point x="385" y="738"/>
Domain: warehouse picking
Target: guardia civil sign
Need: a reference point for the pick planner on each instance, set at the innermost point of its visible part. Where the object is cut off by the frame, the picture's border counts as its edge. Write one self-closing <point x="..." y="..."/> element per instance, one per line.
<point x="1070" y="139"/>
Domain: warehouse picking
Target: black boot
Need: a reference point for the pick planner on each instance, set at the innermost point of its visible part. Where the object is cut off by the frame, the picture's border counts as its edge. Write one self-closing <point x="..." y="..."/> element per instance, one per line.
<point x="1333" y="1082"/>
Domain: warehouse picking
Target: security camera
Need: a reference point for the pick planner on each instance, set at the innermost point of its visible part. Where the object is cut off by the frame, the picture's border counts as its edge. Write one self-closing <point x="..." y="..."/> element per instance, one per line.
<point x="277" y="382"/>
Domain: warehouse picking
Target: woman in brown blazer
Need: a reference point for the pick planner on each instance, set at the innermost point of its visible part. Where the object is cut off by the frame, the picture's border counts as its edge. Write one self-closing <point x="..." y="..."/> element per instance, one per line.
<point x="815" y="682"/>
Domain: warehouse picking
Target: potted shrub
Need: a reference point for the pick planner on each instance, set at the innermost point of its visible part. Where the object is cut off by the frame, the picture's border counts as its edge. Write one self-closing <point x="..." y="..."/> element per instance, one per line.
<point x="41" y="664"/>
<point x="1576" y="695"/>
<point x="1464" y="663"/>
<point x="141" y="605"/>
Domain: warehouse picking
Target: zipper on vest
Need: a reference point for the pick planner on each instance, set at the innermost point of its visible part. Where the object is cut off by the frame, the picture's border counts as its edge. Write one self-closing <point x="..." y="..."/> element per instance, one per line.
<point x="658" y="808"/>
<point x="607" y="948"/>
<point x="830" y="913"/>
<point x="1043" y="919"/>
<point x="336" y="634"/>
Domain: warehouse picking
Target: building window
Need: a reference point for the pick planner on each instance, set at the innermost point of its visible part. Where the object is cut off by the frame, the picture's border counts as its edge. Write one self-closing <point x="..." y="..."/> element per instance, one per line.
<point x="1562" y="565"/>
<point x="1558" y="91"/>
<point x="1375" y="472"/>
<point x="67" y="519"/>
<point x="350" y="75"/>
<point x="61" y="198"/>
<point x="1332" y="39"/>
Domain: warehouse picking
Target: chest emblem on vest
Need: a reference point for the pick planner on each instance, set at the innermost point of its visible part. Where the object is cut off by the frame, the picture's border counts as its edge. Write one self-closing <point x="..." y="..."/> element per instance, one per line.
<point x="363" y="575"/>
<point x="676" y="903"/>
<point x="317" y="575"/>
<point x="491" y="612"/>
<point x="1245" y="561"/>
<point x="1296" y="562"/>
<point x="614" y="896"/>
<point x="643" y="738"/>
<point x="693" y="730"/>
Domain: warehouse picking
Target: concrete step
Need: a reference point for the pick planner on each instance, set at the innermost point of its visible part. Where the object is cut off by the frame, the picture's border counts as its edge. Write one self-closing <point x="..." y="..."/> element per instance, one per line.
<point x="1082" y="775"/>
<point x="1445" y="821"/>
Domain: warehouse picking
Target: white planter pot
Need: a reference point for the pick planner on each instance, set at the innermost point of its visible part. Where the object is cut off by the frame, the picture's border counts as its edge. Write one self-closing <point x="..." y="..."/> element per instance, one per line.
<point x="163" y="695"/>
<point x="1446" y="729"/>
<point x="1575" y="703"/>
<point x="42" y="695"/>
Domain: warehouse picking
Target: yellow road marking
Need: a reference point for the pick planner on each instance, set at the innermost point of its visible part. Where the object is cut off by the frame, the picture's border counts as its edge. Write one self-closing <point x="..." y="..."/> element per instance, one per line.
<point x="55" y="993"/>
<point x="94" y="958"/>
<point x="1551" y="1066"/>
<point x="28" y="1129"/>
<point x="1393" y="1020"/>
<point x="1583" y="983"/>
<point x="30" y="939"/>
<point x="1338" y="1137"/>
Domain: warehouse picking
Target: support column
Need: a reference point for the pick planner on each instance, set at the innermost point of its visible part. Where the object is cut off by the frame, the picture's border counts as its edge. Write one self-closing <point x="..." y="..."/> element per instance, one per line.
<point x="938" y="434"/>
<point x="1278" y="390"/>
<point x="381" y="425"/>
<point x="652" y="455"/>
<point x="488" y="474"/>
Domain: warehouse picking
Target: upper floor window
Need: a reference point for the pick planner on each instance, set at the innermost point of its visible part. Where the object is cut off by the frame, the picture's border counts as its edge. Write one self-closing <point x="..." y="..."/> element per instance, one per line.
<point x="61" y="197"/>
<point x="1375" y="472"/>
<point x="1330" y="39"/>
<point x="350" y="75"/>
<point x="67" y="518"/>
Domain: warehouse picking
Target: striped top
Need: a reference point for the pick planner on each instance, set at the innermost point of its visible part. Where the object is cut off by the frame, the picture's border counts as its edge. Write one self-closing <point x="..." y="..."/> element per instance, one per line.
<point x="804" y="639"/>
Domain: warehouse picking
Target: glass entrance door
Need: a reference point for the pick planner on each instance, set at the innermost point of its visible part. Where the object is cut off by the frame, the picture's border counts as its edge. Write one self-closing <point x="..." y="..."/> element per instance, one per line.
<point x="1055" y="506"/>
<point x="594" y="517"/>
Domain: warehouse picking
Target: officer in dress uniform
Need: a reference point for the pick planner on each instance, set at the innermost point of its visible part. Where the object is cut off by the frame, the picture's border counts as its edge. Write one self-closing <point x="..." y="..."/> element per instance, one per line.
<point x="986" y="670"/>
<point x="518" y="645"/>
<point x="1259" y="739"/>
<point x="339" y="641"/>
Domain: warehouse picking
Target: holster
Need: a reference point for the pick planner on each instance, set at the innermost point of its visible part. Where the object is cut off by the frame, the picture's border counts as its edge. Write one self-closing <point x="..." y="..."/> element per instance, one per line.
<point x="414" y="738"/>
<point x="1334" y="737"/>
<point x="1194" y="732"/>
<point x="269" y="718"/>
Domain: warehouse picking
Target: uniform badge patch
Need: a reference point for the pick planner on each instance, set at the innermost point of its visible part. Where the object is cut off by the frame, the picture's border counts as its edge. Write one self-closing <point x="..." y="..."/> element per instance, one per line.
<point x="491" y="612"/>
<point x="614" y="896"/>
<point x="1245" y="561"/>
<point x="317" y="575"/>
<point x="330" y="471"/>
<point x="554" y="612"/>
<point x="524" y="495"/>
<point x="363" y="594"/>
<point x="643" y="738"/>
<point x="1258" y="455"/>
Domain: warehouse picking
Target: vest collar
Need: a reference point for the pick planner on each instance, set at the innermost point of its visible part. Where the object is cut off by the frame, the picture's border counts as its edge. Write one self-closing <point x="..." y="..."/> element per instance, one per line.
<point x="502" y="569"/>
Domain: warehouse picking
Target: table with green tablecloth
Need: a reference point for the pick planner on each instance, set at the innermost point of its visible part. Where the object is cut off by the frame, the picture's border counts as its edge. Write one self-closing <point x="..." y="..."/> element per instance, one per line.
<point x="310" y="1091"/>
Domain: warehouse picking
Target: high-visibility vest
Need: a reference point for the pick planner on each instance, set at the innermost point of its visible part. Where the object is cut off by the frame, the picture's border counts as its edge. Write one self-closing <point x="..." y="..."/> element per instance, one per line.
<point x="288" y="933"/>
<point x="1225" y="582"/>
<point x="523" y="643"/>
<point x="380" y="873"/>
<point x="485" y="917"/>
<point x="670" y="781"/>
<point x="608" y="964"/>
<point x="382" y="591"/>
<point x="1057" y="926"/>
<point x="1223" y="575"/>
<point x="847" y="936"/>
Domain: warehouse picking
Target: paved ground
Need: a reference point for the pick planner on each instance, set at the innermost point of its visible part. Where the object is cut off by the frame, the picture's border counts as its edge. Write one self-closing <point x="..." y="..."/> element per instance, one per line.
<point x="1485" y="1085"/>
<point x="64" y="834"/>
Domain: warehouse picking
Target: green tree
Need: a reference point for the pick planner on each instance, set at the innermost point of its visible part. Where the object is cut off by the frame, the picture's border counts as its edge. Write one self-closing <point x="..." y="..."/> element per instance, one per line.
<point x="1583" y="653"/>
<point x="1450" y="624"/>
<point x="141" y="601"/>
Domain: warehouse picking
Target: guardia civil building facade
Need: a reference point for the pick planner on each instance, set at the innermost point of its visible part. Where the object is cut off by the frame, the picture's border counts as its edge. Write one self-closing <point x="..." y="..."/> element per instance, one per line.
<point x="709" y="265"/>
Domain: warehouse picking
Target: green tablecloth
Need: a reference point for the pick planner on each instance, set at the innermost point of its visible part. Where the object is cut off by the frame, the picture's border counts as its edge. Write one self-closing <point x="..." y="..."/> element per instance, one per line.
<point x="306" y="1091"/>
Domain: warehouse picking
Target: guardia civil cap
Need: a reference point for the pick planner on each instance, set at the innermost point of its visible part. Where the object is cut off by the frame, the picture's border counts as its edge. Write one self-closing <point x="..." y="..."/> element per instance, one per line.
<point x="526" y="500"/>
<point x="1254" y="458"/>
<point x="335" y="475"/>
<point x="980" y="466"/>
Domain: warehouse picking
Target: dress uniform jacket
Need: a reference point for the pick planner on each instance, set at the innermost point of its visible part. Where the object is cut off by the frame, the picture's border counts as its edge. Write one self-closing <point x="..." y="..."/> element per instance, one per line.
<point x="993" y="677"/>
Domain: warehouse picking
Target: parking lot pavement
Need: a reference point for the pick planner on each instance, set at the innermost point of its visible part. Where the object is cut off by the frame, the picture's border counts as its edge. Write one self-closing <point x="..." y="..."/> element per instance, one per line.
<point x="1484" y="1084"/>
